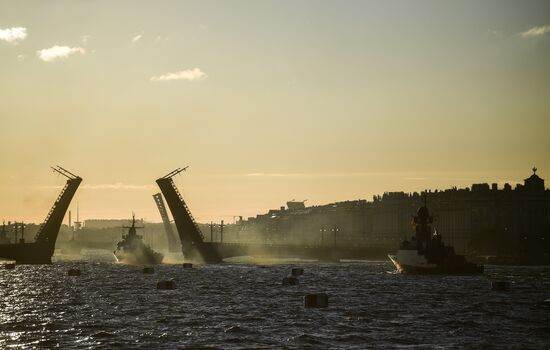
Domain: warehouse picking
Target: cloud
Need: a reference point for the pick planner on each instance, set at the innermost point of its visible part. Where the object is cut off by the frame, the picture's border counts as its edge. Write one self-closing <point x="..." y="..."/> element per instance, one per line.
<point x="117" y="186"/>
<point x="278" y="175"/>
<point x="311" y="175"/>
<point x="13" y="35"/>
<point x="56" y="52"/>
<point x="535" y="31"/>
<point x="114" y="186"/>
<point x="188" y="74"/>
<point x="136" y="38"/>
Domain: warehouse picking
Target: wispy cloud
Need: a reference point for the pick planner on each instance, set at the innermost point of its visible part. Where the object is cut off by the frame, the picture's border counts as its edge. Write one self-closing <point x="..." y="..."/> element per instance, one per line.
<point x="57" y="52"/>
<point x="136" y="38"/>
<point x="13" y="35"/>
<point x="535" y="31"/>
<point x="117" y="186"/>
<point x="277" y="175"/>
<point x="188" y="74"/>
<point x="113" y="186"/>
<point x="310" y="175"/>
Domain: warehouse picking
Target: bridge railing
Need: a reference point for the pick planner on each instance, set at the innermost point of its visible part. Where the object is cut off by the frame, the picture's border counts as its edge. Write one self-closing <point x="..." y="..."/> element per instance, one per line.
<point x="187" y="210"/>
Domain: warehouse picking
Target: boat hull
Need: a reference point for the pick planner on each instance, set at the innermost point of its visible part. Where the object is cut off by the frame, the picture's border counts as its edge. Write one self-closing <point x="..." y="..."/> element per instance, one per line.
<point x="136" y="259"/>
<point x="419" y="267"/>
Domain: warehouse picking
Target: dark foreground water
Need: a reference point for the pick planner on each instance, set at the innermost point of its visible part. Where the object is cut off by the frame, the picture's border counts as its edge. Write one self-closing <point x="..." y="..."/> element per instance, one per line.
<point x="245" y="306"/>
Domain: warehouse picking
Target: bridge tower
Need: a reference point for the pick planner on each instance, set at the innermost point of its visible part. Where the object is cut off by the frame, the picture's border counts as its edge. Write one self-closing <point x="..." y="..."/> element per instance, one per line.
<point x="172" y="242"/>
<point x="192" y="241"/>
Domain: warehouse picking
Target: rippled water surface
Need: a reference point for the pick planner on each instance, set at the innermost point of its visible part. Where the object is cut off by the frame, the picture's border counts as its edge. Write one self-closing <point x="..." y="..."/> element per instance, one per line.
<point x="245" y="306"/>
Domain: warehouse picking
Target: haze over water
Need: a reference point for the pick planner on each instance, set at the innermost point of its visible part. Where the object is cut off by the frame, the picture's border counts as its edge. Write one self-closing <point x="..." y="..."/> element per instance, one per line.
<point x="240" y="306"/>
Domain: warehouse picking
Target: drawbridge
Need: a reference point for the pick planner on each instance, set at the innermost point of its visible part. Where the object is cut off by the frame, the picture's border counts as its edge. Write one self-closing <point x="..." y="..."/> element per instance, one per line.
<point x="173" y="245"/>
<point x="193" y="245"/>
<point x="195" y="248"/>
<point x="41" y="250"/>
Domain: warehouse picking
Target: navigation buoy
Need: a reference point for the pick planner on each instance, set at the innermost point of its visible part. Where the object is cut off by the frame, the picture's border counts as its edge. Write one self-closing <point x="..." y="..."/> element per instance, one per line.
<point x="297" y="271"/>
<point x="316" y="300"/>
<point x="290" y="281"/>
<point x="73" y="272"/>
<point x="500" y="286"/>
<point x="148" y="270"/>
<point x="166" y="284"/>
<point x="9" y="266"/>
<point x="187" y="265"/>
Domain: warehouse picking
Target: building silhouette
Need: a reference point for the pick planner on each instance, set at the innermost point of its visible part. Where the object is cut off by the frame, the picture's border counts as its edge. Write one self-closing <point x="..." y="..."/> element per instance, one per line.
<point x="519" y="216"/>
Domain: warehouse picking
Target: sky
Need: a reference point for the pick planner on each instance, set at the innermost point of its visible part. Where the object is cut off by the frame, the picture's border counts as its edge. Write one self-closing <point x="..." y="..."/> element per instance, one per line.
<point x="267" y="101"/>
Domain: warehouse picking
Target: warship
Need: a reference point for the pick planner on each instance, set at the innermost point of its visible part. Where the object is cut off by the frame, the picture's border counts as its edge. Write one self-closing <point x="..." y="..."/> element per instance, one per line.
<point x="427" y="254"/>
<point x="132" y="249"/>
<point x="41" y="250"/>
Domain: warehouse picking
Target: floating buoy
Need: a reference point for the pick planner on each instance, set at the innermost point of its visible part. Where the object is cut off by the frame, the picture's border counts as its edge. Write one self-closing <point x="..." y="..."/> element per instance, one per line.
<point x="148" y="270"/>
<point x="73" y="272"/>
<point x="9" y="266"/>
<point x="290" y="281"/>
<point x="500" y="286"/>
<point x="187" y="265"/>
<point x="297" y="271"/>
<point x="166" y="284"/>
<point x="316" y="300"/>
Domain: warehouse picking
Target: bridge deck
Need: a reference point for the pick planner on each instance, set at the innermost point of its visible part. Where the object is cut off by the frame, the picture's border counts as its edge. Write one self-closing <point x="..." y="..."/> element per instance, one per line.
<point x="328" y="253"/>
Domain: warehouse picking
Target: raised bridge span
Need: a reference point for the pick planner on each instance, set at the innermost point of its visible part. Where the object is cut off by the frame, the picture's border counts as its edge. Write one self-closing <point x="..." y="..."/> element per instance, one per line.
<point x="41" y="250"/>
<point x="195" y="248"/>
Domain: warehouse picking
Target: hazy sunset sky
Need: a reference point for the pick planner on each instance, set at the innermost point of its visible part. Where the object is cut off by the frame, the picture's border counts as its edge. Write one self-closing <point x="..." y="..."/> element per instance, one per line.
<point x="267" y="101"/>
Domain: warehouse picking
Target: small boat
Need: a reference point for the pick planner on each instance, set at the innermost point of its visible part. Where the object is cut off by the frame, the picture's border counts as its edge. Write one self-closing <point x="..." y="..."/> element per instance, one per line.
<point x="427" y="254"/>
<point x="132" y="249"/>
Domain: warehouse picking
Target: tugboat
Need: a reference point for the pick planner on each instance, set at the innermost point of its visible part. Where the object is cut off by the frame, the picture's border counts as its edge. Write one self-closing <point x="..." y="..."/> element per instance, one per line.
<point x="427" y="254"/>
<point x="132" y="250"/>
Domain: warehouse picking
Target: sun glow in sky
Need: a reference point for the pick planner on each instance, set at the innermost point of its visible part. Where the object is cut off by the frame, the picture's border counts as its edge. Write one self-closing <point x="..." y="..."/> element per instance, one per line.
<point x="267" y="101"/>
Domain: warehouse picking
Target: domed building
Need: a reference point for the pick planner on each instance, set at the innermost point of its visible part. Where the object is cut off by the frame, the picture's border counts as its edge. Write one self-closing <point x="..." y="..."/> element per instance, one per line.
<point x="534" y="184"/>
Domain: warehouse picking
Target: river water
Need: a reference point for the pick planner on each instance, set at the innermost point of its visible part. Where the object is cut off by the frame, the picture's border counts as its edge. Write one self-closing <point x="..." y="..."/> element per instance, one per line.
<point x="244" y="306"/>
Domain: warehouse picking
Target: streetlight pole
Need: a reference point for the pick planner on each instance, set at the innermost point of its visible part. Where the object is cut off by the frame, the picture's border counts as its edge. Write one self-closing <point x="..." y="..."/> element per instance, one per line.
<point x="322" y="230"/>
<point x="211" y="231"/>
